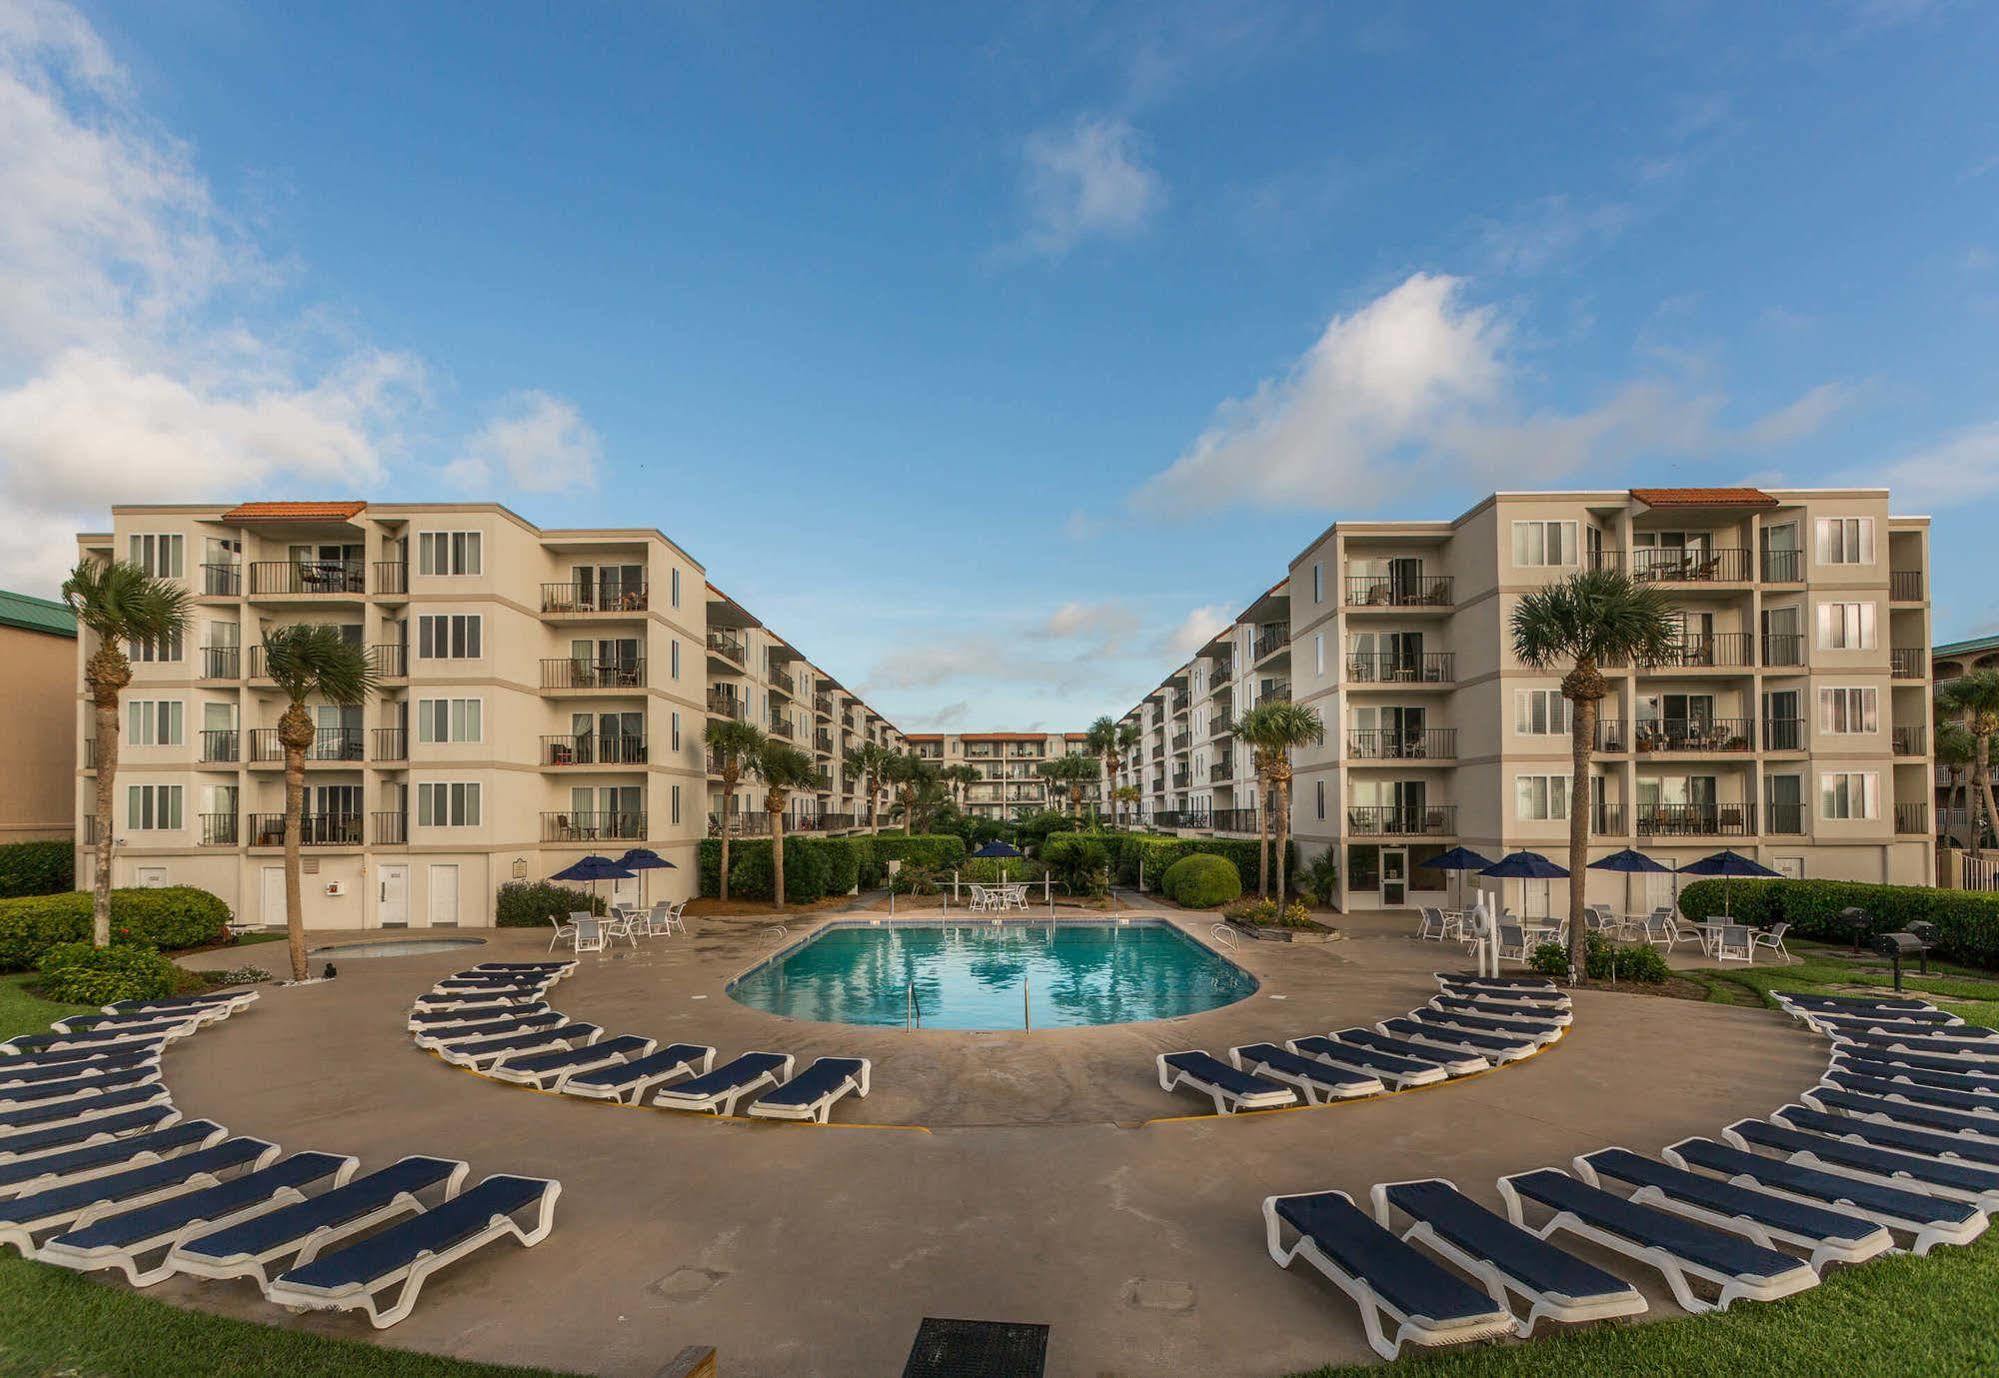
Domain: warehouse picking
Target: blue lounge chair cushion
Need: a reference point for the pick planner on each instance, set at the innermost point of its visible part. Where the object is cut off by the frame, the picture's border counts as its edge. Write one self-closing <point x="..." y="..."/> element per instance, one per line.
<point x="728" y="1076"/>
<point x="18" y="1071"/>
<point x="1372" y="1058"/>
<point x="1834" y="1187"/>
<point x="1515" y="982"/>
<point x="1399" y="1275"/>
<point x="83" y="1131"/>
<point x="299" y="1171"/>
<point x="555" y="1062"/>
<point x="1400" y="1047"/>
<point x="165" y="1142"/>
<point x="1727" y="1254"/>
<point x="86" y="1089"/>
<point x="1230" y="1080"/>
<point x="1709" y="1193"/>
<point x="495" y="1028"/>
<point x="473" y="1014"/>
<point x="84" y="1038"/>
<point x="1981" y="1088"/>
<point x="1291" y="1064"/>
<point x="823" y="1076"/>
<point x="361" y="1197"/>
<point x="434" y="1231"/>
<point x="652" y="1065"/>
<point x="1967" y="1050"/>
<point x="480" y="1047"/>
<point x="1893" y="1135"/>
<point x="1518" y="1254"/>
<point x="1857" y="1002"/>
<point x="28" y="1116"/>
<point x="120" y="1186"/>
<point x="1974" y="1071"/>
<point x="1916" y="1116"/>
<point x="89" y="1052"/>
<point x="1503" y="1028"/>
<point x="1415" y="1030"/>
<point x="1940" y="1172"/>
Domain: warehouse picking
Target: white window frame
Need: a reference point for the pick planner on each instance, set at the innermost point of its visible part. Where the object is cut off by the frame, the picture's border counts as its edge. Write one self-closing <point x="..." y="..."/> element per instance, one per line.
<point x="1555" y="713"/>
<point x="155" y="722"/>
<point x="1544" y="809"/>
<point x="435" y="627"/>
<point x="1843" y="540"/>
<point x="458" y="799"/>
<point x="165" y="651"/>
<point x="1849" y="710"/>
<point x="1530" y="543"/>
<point x="1836" y="795"/>
<point x="450" y="554"/>
<point x="1847" y="626"/>
<point x="463" y="720"/>
<point x="154" y="808"/>
<point x="161" y="554"/>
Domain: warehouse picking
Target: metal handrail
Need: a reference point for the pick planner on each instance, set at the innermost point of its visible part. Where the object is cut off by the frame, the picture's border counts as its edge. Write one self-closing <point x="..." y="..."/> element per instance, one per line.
<point x="777" y="930"/>
<point x="911" y="1016"/>
<point x="1225" y="935"/>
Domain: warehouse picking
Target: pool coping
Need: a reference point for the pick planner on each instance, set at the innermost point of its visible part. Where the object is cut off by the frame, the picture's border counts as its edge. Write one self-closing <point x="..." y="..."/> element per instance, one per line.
<point x="441" y="945"/>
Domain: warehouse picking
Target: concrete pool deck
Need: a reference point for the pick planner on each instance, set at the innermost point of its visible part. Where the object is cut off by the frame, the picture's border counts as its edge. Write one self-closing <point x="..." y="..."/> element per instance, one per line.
<point x="1039" y="1192"/>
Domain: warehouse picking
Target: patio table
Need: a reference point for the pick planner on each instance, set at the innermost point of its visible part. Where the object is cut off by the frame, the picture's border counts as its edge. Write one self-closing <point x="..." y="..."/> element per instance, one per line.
<point x="1727" y="942"/>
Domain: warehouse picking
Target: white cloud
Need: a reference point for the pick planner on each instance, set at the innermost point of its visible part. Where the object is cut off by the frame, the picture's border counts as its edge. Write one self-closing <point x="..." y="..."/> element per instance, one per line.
<point x="1549" y="231"/>
<point x="1085" y="180"/>
<point x="538" y="444"/>
<point x="1802" y="419"/>
<point x="1197" y="629"/>
<point x="1106" y="624"/>
<point x="1958" y="469"/>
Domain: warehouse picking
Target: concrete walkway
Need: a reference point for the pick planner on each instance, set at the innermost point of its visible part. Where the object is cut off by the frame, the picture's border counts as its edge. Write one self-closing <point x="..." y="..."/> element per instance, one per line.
<point x="1034" y="1190"/>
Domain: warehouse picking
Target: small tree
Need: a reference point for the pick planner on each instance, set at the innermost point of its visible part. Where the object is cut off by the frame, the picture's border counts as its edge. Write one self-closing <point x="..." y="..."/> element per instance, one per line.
<point x="960" y="778"/>
<point x="734" y="743"/>
<point x="866" y="761"/>
<point x="1273" y="730"/>
<point x="117" y="603"/>
<point x="782" y="768"/>
<point x="1955" y="750"/>
<point x="915" y="784"/>
<point x="1974" y="699"/>
<point x="308" y="662"/>
<point x="1127" y="795"/>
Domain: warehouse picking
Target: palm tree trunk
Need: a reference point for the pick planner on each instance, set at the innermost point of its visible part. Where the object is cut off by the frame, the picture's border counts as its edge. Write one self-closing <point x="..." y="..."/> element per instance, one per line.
<point x="1960" y="790"/>
<point x="106" y="704"/>
<point x="728" y="826"/>
<point x="1582" y="735"/>
<point x="294" y="900"/>
<point x="1262" y="836"/>
<point x="874" y="805"/>
<point x="777" y="848"/>
<point x="1283" y="830"/>
<point x="1985" y="792"/>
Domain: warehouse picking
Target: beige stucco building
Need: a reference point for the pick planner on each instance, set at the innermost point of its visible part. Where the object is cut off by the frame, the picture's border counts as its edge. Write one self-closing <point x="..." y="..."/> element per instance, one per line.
<point x="38" y="737"/>
<point x="1009" y="765"/>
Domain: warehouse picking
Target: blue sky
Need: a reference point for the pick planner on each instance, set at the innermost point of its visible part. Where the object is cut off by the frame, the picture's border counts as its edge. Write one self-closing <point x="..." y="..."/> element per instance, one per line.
<point x="1097" y="313"/>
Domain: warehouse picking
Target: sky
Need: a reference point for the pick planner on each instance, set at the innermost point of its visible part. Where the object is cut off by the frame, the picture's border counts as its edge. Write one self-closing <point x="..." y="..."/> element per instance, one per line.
<point x="995" y="354"/>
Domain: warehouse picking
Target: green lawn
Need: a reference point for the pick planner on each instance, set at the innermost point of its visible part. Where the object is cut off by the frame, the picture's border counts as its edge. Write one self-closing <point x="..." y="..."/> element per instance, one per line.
<point x="1970" y="994"/>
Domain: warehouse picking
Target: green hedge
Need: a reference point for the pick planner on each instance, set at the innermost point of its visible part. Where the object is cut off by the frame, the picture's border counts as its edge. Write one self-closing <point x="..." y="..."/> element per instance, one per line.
<point x="1080" y="860"/>
<point x="935" y="852"/>
<point x="79" y="974"/>
<point x="37" y="868"/>
<point x="815" y="867"/>
<point x="170" y="917"/>
<point x="532" y="903"/>
<point x="1158" y="853"/>
<point x="807" y="868"/>
<point x="1967" y="920"/>
<point x="1202" y="881"/>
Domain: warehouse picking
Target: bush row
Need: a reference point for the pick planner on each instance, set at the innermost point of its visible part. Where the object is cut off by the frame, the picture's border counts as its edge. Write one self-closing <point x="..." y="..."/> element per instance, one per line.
<point x="532" y="903"/>
<point x="815" y="867"/>
<point x="79" y="974"/>
<point x="37" y="868"/>
<point x="170" y="917"/>
<point x="1129" y="849"/>
<point x="1967" y="920"/>
<point x="1607" y="961"/>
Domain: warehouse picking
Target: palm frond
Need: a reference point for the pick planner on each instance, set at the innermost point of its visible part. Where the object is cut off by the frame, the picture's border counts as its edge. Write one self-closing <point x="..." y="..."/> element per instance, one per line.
<point x="313" y="659"/>
<point x="1602" y="616"/>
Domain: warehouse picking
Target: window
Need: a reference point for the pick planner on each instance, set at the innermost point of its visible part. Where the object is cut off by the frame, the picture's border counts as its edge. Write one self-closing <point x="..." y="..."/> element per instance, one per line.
<point x="676" y="805"/>
<point x="152" y="808"/>
<point x="673" y="658"/>
<point x="448" y="552"/>
<point x="676" y="731"/>
<point x="448" y="636"/>
<point x="449" y="720"/>
<point x="1541" y="798"/>
<point x="153" y="722"/>
<point x="453" y="805"/>
<point x="1318" y="653"/>
<point x="1846" y="626"/>
<point x="1544" y="543"/>
<point x="1848" y="710"/>
<point x="1846" y="540"/>
<point x="159" y="556"/>
<point x="1850" y="794"/>
<point x="1318" y="583"/>
<point x="166" y="649"/>
<point x="1542" y="713"/>
<point x="674" y="581"/>
<point x="1319" y="797"/>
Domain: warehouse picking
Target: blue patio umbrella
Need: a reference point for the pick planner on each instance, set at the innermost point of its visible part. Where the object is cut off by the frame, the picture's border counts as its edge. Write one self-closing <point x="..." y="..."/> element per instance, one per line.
<point x="1630" y="863"/>
<point x="1729" y="864"/>
<point x="1456" y="859"/>
<point x="997" y="848"/>
<point x="593" y="869"/>
<point x="643" y="859"/>
<point x="1523" y="866"/>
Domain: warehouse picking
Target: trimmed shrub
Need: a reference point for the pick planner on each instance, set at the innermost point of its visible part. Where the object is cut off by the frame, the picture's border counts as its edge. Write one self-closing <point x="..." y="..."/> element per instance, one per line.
<point x="1264" y="913"/>
<point x="806" y="869"/>
<point x="37" y="868"/>
<point x="1201" y="881"/>
<point x="938" y="853"/>
<point x="532" y="903"/>
<point x="1158" y="853"/>
<point x="1081" y="861"/>
<point x="848" y="861"/>
<point x="79" y="974"/>
<point x="843" y="865"/>
<point x="170" y="918"/>
<point x="1967" y="920"/>
<point x="1607" y="961"/>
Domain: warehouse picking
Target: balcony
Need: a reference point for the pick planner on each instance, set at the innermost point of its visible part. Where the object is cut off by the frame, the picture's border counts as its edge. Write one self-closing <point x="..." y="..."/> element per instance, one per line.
<point x="1905" y="585"/>
<point x="1181" y="741"/>
<point x="1909" y="741"/>
<point x="392" y="578"/>
<point x="1613" y="735"/>
<point x="1181" y="818"/>
<point x="742" y="824"/>
<point x="1694" y="735"/>
<point x="1717" y="650"/>
<point x="1271" y="639"/>
<point x="1398" y="591"/>
<point x="568" y="673"/>
<point x="328" y="744"/>
<point x="1389" y="667"/>
<point x="314" y="830"/>
<point x="1696" y="820"/>
<point x="727" y="705"/>
<point x="1908" y="662"/>
<point x="593" y="827"/>
<point x="390" y="661"/>
<point x="822" y="704"/>
<point x="576" y="599"/>
<point x="1402" y="820"/>
<point x="1783" y="566"/>
<point x="1221" y="771"/>
<point x="1783" y="734"/>
<point x="1781" y="649"/>
<point x="220" y="745"/>
<point x="1912" y="820"/>
<point x="307" y="578"/>
<point x="1426" y="744"/>
<point x="782" y="683"/>
<point x="594" y="749"/>
<point x="1274" y="691"/>
<point x="221" y="662"/>
<point x="222" y="581"/>
<point x="728" y="648"/>
<point x="1784" y="820"/>
<point x="391" y="829"/>
<point x="1234" y="820"/>
<point x="390" y="744"/>
<point x="218" y="830"/>
<point x="1224" y="666"/>
<point x="1606" y="820"/>
<point x="1159" y="751"/>
<point x="780" y="726"/>
<point x="1727" y="565"/>
<point x="823" y="740"/>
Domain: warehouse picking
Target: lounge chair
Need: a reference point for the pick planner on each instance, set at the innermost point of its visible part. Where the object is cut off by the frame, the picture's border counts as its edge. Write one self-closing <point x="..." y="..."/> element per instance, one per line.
<point x="1984" y="1086"/>
<point x="1398" y="1073"/>
<point x="26" y="1175"/>
<point x="1856" y="1002"/>
<point x="1880" y="1110"/>
<point x="1680" y="1249"/>
<point x="1315" y="1079"/>
<point x="810" y="1095"/>
<point x="1894" y="1017"/>
<point x="718" y="1091"/>
<point x="1973" y="1051"/>
<point x="1538" y="1031"/>
<point x="1931" y="1219"/>
<point x="488" y="987"/>
<point x="555" y="971"/>
<point x="1532" y="998"/>
<point x="34" y="1143"/>
<point x="586" y="933"/>
<point x="547" y="1071"/>
<point x="1420" y="1034"/>
<point x="119" y="1040"/>
<point x="482" y="976"/>
<point x="1430" y="924"/>
<point x="629" y="1082"/>
<point x="292" y="1236"/>
<point x="434" y="1036"/>
<point x="1948" y="1177"/>
<point x="1230" y="1088"/>
<point x="1831" y="1022"/>
<point x="198" y="1016"/>
<point x="1883" y="1134"/>
<point x="423" y="1021"/>
<point x="1982" y="1104"/>
<point x="1525" y="983"/>
<point x="129" y="1238"/>
<point x="1492" y="1009"/>
<point x="481" y="1053"/>
<point x="27" y="1072"/>
<point x="1386" y="1278"/>
<point x="71" y="1205"/>
<point x="1965" y="1071"/>
<point x="49" y="1115"/>
<point x="1556" y="1285"/>
<point x="405" y="1254"/>
<point x="1832" y="1236"/>
<point x="458" y="999"/>
<point x="236" y="999"/>
<point x="63" y="1089"/>
<point x="1458" y="1064"/>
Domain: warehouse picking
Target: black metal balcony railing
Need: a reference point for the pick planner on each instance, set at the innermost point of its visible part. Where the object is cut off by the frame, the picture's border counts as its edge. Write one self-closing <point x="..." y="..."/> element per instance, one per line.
<point x="391" y="661"/>
<point x="728" y="647"/>
<point x="1390" y="744"/>
<point x="1398" y="591"/>
<point x="1235" y="820"/>
<point x="1650" y="564"/>
<point x="1182" y="740"/>
<point x="1783" y="566"/>
<point x="1696" y="820"/>
<point x="222" y="581"/>
<point x="328" y="744"/>
<point x="1402" y="820"/>
<point x="594" y="749"/>
<point x="1182" y="818"/>
<point x="391" y="829"/>
<point x="1606" y="820"/>
<point x="1784" y="820"/>
<point x="1908" y="741"/>
<point x="1613" y="734"/>
<point x="726" y="705"/>
<point x="1388" y="667"/>
<point x="1912" y="819"/>
<point x="1783" y="734"/>
<point x="822" y="704"/>
<point x="1715" y="649"/>
<point x="570" y="673"/>
<point x="1182" y="779"/>
<point x="1271" y="639"/>
<point x="391" y="577"/>
<point x="609" y="595"/>
<point x="221" y="744"/>
<point x="314" y="830"/>
<point x="218" y="830"/>
<point x="1274" y="691"/>
<point x="1783" y="648"/>
<point x="1159" y="751"/>
<point x="221" y="662"/>
<point x="593" y="827"/>
<point x="780" y="726"/>
<point x="391" y="744"/>
<point x="1694" y="734"/>
<point x="823" y="740"/>
<point x="1224" y="667"/>
<point x="783" y="683"/>
<point x="1220" y="771"/>
<point x="1907" y="662"/>
<point x="1905" y="585"/>
<point x="291" y="577"/>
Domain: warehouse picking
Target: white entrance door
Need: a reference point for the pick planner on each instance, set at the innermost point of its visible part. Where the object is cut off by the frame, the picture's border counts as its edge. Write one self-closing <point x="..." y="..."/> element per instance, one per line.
<point x="272" y="915"/>
<point x="625" y="892"/>
<point x="1394" y="877"/>
<point x="392" y="895"/>
<point x="443" y="912"/>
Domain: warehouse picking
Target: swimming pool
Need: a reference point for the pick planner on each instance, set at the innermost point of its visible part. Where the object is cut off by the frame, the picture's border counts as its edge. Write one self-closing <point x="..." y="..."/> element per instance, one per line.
<point x="395" y="947"/>
<point x="987" y="976"/>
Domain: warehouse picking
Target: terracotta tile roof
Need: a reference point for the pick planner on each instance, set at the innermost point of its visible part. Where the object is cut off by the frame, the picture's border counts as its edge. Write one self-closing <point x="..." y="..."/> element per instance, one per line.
<point x="923" y="736"/>
<point x="293" y="511"/>
<point x="1703" y="497"/>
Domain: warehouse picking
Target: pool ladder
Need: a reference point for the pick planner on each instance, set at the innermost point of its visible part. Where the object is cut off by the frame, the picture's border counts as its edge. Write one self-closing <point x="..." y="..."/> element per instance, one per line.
<point x="912" y="1016"/>
<point x="1225" y="935"/>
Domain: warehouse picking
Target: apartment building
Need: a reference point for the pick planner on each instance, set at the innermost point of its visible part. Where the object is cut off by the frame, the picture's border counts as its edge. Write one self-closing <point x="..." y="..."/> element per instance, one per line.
<point x="1791" y="723"/>
<point x="543" y="695"/>
<point x="1008" y="764"/>
<point x="38" y="685"/>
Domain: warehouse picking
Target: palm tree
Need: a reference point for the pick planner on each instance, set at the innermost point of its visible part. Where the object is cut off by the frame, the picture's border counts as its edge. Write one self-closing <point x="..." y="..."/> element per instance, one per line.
<point x="1073" y="773"/>
<point x="1127" y="795"/>
<point x="960" y="778"/>
<point x="1589" y="620"/>
<point x="733" y="743"/>
<point x="783" y="768"/>
<point x="308" y="661"/>
<point x="1273" y="730"/>
<point x="1105" y="741"/>
<point x="117" y="602"/>
<point x="866" y="761"/>
<point x="1974" y="699"/>
<point x="1955" y="751"/>
<point x="914" y="780"/>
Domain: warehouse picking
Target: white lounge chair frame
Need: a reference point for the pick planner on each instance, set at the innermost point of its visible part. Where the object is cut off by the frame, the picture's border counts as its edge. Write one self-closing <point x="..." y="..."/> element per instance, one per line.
<point x="22" y="1235"/>
<point x="1810" y="1097"/>
<point x="1429" y="1076"/>
<point x="820" y="1110"/>
<point x="1987" y="1201"/>
<point x="1226" y="1102"/>
<point x="1315" y="1092"/>
<point x="723" y="1103"/>
<point x="553" y="1081"/>
<point x="636" y="1092"/>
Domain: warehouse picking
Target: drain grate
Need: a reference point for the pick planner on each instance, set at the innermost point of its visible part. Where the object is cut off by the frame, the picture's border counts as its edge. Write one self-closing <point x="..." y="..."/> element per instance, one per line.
<point x="977" y="1349"/>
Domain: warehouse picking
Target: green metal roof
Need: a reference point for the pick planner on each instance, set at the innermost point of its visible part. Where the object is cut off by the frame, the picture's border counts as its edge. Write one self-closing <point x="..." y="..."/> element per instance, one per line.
<point x="36" y="614"/>
<point x="1976" y="646"/>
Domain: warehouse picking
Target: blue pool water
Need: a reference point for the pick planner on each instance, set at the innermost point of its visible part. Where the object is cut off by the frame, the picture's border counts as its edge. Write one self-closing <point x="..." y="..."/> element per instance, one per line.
<point x="971" y="976"/>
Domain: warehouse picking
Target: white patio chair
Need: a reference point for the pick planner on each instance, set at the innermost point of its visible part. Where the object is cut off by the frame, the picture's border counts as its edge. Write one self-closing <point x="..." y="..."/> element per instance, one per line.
<point x="675" y="918"/>
<point x="982" y="899"/>
<point x="1430" y="924"/>
<point x="658" y="919"/>
<point x="1512" y="942"/>
<point x="564" y="928"/>
<point x="622" y="923"/>
<point x="1662" y="927"/>
<point x="1772" y="938"/>
<point x="589" y="933"/>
